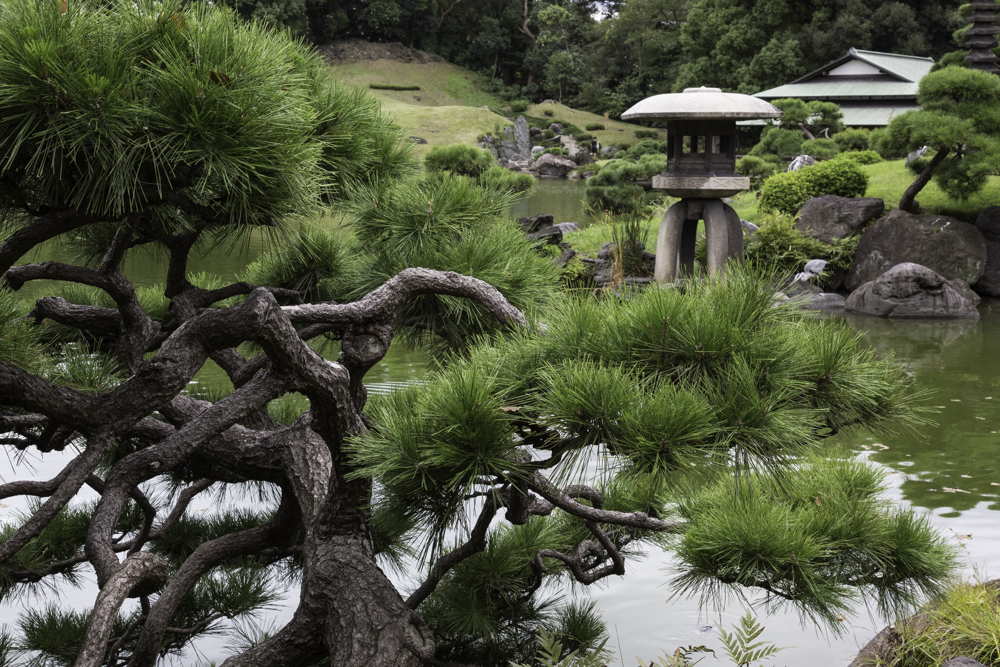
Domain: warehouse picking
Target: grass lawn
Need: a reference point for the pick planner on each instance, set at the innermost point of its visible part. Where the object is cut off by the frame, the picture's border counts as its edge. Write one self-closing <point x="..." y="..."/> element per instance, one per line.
<point x="442" y="126"/>
<point x="889" y="180"/>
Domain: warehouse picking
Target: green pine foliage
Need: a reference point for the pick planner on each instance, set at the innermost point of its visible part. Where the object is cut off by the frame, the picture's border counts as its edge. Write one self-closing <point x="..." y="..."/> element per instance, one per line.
<point x="806" y="541"/>
<point x="821" y="149"/>
<point x="853" y="139"/>
<point x="257" y="117"/>
<point x="314" y="262"/>
<point x="663" y="383"/>
<point x="449" y="225"/>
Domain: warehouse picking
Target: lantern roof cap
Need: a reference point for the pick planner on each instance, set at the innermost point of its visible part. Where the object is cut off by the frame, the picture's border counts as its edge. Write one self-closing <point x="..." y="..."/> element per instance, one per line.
<point x="702" y="103"/>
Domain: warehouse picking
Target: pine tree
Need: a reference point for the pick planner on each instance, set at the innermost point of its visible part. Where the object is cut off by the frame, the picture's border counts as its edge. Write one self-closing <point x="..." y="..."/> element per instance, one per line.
<point x="130" y="126"/>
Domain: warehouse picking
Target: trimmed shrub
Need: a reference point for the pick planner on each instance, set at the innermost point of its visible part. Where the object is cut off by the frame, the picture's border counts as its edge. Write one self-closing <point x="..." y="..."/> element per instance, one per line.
<point x="785" y="192"/>
<point x="555" y="150"/>
<point x="549" y="113"/>
<point x="518" y="106"/>
<point x="645" y="147"/>
<point x="775" y="141"/>
<point x="821" y="149"/>
<point x="548" y="134"/>
<point x="590" y="127"/>
<point x="843" y="178"/>
<point x="758" y="169"/>
<point x="459" y="159"/>
<point x="860" y="157"/>
<point x="626" y="198"/>
<point x="646" y="134"/>
<point x="504" y="179"/>
<point x="853" y="139"/>
<point x="583" y="136"/>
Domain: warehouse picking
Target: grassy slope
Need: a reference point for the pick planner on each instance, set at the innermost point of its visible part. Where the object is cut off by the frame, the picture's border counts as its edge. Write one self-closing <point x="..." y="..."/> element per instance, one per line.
<point x="448" y="108"/>
<point x="615" y="132"/>
<point x="451" y="106"/>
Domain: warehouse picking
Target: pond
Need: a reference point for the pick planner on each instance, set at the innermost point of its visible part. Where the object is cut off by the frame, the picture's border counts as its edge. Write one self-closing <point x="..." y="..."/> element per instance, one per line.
<point x="951" y="471"/>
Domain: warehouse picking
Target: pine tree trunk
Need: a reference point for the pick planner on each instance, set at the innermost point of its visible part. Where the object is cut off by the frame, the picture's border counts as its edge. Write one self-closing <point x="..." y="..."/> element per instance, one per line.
<point x="908" y="202"/>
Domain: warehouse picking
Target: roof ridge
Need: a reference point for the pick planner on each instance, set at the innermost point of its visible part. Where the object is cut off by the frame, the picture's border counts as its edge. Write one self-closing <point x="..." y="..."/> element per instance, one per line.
<point x="892" y="55"/>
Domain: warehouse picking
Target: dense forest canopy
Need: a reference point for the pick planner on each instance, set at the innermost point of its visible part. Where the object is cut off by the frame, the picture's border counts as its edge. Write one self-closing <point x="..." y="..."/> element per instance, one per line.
<point x="611" y="54"/>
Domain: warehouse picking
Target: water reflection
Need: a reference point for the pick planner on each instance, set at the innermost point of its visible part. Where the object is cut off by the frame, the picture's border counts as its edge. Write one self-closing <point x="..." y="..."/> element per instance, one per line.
<point x="953" y="463"/>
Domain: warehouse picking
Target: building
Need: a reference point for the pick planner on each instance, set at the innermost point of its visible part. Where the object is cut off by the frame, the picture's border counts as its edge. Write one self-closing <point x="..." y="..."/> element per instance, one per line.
<point x="871" y="88"/>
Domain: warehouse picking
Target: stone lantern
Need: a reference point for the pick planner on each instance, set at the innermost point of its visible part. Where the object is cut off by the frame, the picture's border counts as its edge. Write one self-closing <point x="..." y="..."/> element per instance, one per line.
<point x="701" y="170"/>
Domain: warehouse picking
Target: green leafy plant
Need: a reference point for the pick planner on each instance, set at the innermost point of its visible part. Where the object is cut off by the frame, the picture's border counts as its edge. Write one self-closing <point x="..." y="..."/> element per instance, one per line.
<point x="628" y="234"/>
<point x="780" y="246"/>
<point x="646" y="134"/>
<point x="519" y="106"/>
<point x="788" y="191"/>
<point x="551" y="653"/>
<point x="549" y="113"/>
<point x="741" y="645"/>
<point x="681" y="657"/>
<point x="583" y="136"/>
<point x="590" y="127"/>
<point x="549" y="133"/>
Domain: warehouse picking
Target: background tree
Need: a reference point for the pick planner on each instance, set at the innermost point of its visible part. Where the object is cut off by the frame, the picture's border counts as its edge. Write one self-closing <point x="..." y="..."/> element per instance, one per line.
<point x="959" y="118"/>
<point x="161" y="126"/>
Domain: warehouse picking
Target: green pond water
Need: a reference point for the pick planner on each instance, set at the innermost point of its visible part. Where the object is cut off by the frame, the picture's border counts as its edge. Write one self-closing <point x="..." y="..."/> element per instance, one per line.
<point x="951" y="470"/>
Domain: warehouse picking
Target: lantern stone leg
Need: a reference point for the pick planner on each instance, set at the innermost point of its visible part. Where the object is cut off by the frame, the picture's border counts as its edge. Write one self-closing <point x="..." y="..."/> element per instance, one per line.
<point x="675" y="245"/>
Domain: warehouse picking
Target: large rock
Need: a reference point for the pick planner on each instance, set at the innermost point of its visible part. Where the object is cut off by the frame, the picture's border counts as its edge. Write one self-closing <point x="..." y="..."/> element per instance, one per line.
<point x="911" y="290"/>
<point x="534" y="223"/>
<point x="988" y="222"/>
<point x="989" y="284"/>
<point x="522" y="136"/>
<point x="507" y="149"/>
<point x="830" y="217"/>
<point x="605" y="263"/>
<point x="951" y="248"/>
<point x="552" y="165"/>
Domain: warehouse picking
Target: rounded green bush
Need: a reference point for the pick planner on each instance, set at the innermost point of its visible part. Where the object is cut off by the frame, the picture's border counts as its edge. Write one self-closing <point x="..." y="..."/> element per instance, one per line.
<point x="835" y="177"/>
<point x="646" y="134"/>
<point x="755" y="167"/>
<point x="821" y="149"/>
<point x="590" y="127"/>
<point x="583" y="136"/>
<point x="555" y="150"/>
<point x="458" y="159"/>
<point x="549" y="113"/>
<point x="860" y="157"/>
<point x="519" y="106"/>
<point x="549" y="134"/>
<point x="853" y="139"/>
<point x="785" y="192"/>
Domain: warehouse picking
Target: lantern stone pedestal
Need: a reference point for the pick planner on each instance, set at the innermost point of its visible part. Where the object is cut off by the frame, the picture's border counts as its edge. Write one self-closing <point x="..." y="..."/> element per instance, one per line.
<point x="701" y="170"/>
<point x="676" y="241"/>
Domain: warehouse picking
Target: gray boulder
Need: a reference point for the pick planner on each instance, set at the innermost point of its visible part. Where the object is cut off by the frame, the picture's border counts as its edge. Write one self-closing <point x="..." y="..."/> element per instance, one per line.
<point x="988" y="223"/>
<point x="946" y="246"/>
<point x="536" y="150"/>
<point x="552" y="165"/>
<point x="533" y="223"/>
<point x="605" y="262"/>
<point x="568" y="226"/>
<point x="916" y="155"/>
<point x="507" y="149"/>
<point x="911" y="290"/>
<point x="963" y="661"/>
<point x="830" y="217"/>
<point x="608" y="151"/>
<point x="748" y="227"/>
<point x="522" y="136"/>
<point x="556" y="127"/>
